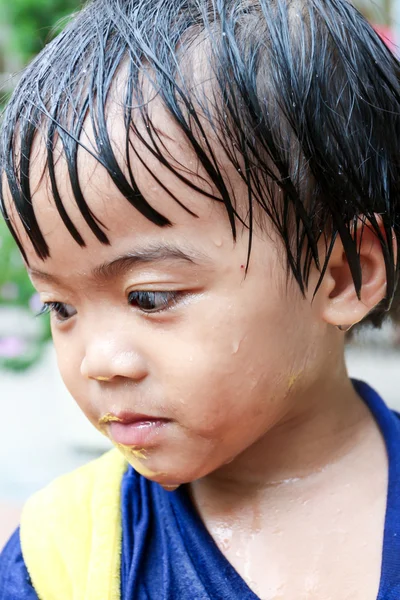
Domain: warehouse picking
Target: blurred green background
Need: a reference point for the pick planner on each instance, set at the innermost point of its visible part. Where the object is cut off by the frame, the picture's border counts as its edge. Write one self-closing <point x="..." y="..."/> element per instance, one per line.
<point x="25" y="27"/>
<point x="31" y="23"/>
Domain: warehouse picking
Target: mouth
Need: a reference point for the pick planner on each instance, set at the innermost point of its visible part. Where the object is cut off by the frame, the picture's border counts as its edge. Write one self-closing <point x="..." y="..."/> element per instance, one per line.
<point x="133" y="429"/>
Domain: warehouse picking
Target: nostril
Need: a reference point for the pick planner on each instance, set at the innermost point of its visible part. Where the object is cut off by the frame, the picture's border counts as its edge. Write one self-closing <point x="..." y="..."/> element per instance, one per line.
<point x="106" y="363"/>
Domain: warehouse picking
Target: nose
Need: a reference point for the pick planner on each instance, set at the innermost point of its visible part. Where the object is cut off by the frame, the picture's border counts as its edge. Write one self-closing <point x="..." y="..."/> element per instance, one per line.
<point x="108" y="360"/>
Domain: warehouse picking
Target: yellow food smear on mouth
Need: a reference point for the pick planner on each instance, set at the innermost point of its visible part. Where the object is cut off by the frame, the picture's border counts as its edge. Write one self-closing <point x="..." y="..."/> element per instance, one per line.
<point x="134" y="450"/>
<point x="109" y="418"/>
<point x="134" y="456"/>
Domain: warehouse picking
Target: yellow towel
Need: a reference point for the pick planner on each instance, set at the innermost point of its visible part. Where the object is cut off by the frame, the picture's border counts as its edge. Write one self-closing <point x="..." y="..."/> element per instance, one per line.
<point x="71" y="533"/>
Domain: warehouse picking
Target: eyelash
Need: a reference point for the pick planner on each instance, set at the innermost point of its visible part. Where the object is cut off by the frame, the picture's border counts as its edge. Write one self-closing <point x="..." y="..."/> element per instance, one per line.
<point x="53" y="307"/>
<point x="169" y="299"/>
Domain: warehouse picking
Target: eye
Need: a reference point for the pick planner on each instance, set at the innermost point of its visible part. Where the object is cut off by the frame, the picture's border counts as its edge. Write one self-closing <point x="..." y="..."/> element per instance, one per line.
<point x="152" y="302"/>
<point x="62" y="311"/>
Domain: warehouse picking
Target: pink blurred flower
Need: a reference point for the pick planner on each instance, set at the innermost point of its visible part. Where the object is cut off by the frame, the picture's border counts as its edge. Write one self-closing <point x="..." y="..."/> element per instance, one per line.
<point x="12" y="347"/>
<point x="35" y="304"/>
<point x="387" y="35"/>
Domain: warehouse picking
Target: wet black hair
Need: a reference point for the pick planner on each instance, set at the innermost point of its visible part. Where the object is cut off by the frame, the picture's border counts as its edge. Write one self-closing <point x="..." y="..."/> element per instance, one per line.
<point x="303" y="98"/>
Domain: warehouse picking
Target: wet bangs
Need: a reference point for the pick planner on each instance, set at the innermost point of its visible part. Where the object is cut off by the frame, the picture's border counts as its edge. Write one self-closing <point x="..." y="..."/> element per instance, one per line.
<point x="302" y="98"/>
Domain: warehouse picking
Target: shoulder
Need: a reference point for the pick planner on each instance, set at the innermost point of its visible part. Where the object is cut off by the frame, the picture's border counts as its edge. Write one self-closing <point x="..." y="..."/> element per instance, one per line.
<point x="396" y="414"/>
<point x="78" y="489"/>
<point x="73" y="527"/>
<point x="15" y="582"/>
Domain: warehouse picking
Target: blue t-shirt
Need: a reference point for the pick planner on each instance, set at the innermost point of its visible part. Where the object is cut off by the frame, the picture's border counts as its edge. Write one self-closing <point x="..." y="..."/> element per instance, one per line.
<point x="167" y="552"/>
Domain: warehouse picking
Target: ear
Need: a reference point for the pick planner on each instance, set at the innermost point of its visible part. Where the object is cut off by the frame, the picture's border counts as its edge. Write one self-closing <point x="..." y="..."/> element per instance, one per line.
<point x="337" y="298"/>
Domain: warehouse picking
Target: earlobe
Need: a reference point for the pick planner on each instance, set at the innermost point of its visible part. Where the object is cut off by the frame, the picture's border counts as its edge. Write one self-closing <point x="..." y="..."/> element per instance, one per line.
<point x="338" y="299"/>
<point x="345" y="328"/>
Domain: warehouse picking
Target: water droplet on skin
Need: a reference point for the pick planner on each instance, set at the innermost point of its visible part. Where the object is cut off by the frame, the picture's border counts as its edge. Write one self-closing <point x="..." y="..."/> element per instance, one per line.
<point x="247" y="567"/>
<point x="253" y="384"/>
<point x="225" y="544"/>
<point x="236" y="346"/>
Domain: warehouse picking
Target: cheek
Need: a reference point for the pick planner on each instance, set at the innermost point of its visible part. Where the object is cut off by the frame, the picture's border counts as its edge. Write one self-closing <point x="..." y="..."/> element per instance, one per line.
<point x="210" y="394"/>
<point x="230" y="368"/>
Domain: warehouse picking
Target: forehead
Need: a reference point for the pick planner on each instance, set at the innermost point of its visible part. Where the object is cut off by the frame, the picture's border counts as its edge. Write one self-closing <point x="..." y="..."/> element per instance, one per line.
<point x="122" y="223"/>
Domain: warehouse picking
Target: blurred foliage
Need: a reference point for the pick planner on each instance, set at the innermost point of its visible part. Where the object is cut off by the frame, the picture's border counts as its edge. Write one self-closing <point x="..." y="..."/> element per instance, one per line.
<point x="21" y="348"/>
<point x="15" y="285"/>
<point x="32" y="23"/>
<point x="377" y="12"/>
<point x="27" y="26"/>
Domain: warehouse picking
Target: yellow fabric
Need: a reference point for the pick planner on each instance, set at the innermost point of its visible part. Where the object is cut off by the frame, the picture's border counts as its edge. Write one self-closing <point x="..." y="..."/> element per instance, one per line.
<point x="71" y="533"/>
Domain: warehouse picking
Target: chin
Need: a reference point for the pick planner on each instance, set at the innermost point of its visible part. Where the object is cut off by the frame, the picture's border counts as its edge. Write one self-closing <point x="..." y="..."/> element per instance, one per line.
<point x="170" y="469"/>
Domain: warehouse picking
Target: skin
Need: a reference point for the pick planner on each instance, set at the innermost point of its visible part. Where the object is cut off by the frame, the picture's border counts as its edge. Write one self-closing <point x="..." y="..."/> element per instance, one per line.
<point x="265" y="426"/>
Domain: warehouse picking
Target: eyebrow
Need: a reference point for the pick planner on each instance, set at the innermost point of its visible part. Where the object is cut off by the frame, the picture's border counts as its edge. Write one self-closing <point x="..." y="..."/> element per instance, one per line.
<point x="120" y="265"/>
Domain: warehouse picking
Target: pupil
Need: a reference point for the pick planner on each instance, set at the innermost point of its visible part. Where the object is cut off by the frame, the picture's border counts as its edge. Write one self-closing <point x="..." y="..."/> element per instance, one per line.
<point x="147" y="300"/>
<point x="150" y="301"/>
<point x="61" y="309"/>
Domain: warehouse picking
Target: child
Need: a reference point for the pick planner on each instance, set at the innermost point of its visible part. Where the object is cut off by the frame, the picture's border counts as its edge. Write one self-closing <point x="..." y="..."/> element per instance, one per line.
<point x="205" y="193"/>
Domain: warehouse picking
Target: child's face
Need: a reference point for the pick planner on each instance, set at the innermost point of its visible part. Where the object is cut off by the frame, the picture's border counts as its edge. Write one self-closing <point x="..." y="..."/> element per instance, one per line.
<point x="223" y="356"/>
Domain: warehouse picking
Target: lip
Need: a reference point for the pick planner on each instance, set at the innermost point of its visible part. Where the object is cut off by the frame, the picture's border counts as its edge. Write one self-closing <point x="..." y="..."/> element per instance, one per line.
<point x="133" y="429"/>
<point x="127" y="418"/>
